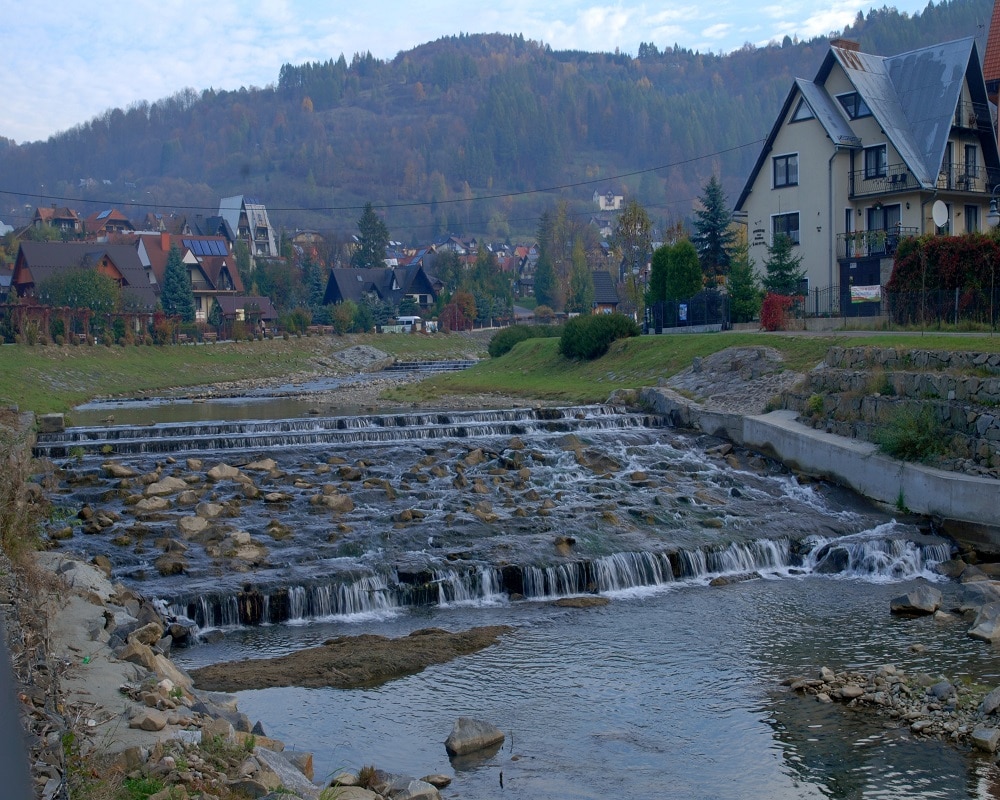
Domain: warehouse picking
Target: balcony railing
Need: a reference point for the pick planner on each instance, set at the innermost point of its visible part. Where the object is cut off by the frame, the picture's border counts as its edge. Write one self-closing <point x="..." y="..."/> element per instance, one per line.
<point x="895" y="178"/>
<point x="872" y="244"/>
<point x="973" y="116"/>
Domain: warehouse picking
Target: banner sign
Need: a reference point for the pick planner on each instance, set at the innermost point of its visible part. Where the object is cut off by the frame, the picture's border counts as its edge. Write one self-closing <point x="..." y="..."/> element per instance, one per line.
<point x="866" y="294"/>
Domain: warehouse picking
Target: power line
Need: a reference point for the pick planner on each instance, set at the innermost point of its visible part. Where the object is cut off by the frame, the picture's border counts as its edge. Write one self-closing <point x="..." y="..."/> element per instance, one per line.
<point x="415" y="204"/>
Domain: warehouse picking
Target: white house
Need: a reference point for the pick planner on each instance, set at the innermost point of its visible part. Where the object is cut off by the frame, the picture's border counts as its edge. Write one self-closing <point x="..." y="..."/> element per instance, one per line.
<point x="872" y="149"/>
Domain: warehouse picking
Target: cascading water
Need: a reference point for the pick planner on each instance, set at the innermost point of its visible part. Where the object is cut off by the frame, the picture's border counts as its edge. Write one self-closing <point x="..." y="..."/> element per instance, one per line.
<point x="456" y="507"/>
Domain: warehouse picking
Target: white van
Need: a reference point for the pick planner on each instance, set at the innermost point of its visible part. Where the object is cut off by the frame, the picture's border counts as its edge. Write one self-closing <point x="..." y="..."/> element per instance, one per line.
<point x="410" y="323"/>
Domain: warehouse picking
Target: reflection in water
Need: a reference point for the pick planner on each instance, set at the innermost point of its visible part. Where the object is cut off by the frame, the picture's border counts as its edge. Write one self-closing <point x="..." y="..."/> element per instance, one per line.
<point x="670" y="694"/>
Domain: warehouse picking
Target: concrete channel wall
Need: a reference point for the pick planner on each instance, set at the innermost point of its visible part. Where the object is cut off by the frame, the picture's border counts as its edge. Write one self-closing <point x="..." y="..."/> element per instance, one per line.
<point x="967" y="506"/>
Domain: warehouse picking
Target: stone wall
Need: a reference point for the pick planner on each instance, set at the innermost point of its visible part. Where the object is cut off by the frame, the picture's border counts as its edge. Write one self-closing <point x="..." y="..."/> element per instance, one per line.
<point x="857" y="389"/>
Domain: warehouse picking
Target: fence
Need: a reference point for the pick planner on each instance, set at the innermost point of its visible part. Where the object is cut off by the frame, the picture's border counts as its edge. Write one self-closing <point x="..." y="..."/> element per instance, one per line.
<point x="943" y="306"/>
<point x="705" y="308"/>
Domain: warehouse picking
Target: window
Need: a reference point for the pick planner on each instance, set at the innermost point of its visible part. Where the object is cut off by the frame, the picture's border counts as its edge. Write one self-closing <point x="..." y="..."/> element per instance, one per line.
<point x="854" y="105"/>
<point x="802" y="112"/>
<point x="786" y="170"/>
<point x="971" y="219"/>
<point x="787" y="224"/>
<point x="971" y="161"/>
<point x="875" y="162"/>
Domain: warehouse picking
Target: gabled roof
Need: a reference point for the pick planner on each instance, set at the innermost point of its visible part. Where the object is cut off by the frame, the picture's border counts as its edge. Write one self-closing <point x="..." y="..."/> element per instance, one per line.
<point x="912" y="96"/>
<point x="991" y="60"/>
<point x="103" y="220"/>
<point x="211" y="253"/>
<point x="257" y="304"/>
<point x="605" y="293"/>
<point x="39" y="261"/>
<point x="390" y="284"/>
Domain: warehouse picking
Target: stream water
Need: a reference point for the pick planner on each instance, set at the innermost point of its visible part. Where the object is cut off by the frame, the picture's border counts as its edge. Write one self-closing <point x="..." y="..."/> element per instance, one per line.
<point x="468" y="518"/>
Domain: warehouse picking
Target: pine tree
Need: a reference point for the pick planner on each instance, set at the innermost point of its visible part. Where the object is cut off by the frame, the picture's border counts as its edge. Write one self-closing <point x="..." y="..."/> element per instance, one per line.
<point x="176" y="296"/>
<point x="713" y="237"/>
<point x="744" y="287"/>
<point x="373" y="239"/>
<point x="784" y="270"/>
<point x="546" y="289"/>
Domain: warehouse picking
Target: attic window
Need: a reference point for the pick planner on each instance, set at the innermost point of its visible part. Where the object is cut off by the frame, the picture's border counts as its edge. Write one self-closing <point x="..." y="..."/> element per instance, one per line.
<point x="802" y="112"/>
<point x="854" y="105"/>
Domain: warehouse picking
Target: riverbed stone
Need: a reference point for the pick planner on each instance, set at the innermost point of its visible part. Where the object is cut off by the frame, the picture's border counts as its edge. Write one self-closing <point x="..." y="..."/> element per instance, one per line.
<point x="986" y="625"/>
<point x="168" y="485"/>
<point x="922" y="600"/>
<point x="990" y="703"/>
<point x="192" y="526"/>
<point x="116" y="470"/>
<point x="986" y="739"/>
<point x="469" y="735"/>
<point x="221" y="472"/>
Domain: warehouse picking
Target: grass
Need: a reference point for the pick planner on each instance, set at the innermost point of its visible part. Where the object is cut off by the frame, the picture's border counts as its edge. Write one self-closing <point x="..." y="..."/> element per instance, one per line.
<point x="534" y="368"/>
<point x="46" y="379"/>
<point x="51" y="379"/>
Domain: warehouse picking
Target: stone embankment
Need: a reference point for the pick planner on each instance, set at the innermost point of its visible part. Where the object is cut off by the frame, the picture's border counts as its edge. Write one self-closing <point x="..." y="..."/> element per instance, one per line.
<point x="960" y="491"/>
<point x="99" y="694"/>
<point x="858" y="389"/>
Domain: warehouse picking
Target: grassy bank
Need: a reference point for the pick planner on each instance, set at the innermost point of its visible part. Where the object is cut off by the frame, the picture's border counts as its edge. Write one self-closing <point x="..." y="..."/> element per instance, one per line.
<point x="46" y="379"/>
<point x="534" y="369"/>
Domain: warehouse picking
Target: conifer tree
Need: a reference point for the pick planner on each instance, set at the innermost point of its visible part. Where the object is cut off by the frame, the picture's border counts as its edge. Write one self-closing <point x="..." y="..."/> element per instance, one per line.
<point x="744" y="286"/>
<point x="713" y="238"/>
<point x="373" y="239"/>
<point x="784" y="269"/>
<point x="176" y="296"/>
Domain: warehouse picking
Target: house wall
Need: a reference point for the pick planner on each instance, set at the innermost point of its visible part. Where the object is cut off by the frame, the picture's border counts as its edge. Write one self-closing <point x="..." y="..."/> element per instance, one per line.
<point x="822" y="197"/>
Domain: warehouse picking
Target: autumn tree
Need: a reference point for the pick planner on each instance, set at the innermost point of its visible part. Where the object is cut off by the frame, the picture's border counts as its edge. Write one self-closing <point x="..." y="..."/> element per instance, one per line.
<point x="373" y="239"/>
<point x="713" y="237"/>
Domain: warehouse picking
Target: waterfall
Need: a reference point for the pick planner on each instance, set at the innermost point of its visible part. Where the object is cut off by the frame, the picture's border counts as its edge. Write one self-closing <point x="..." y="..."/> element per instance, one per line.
<point x="375" y="430"/>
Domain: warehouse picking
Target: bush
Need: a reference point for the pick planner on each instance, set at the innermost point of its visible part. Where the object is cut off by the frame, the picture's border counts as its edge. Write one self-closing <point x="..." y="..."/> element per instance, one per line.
<point x="911" y="435"/>
<point x="587" y="338"/>
<point x="774" y="311"/>
<point x="504" y="341"/>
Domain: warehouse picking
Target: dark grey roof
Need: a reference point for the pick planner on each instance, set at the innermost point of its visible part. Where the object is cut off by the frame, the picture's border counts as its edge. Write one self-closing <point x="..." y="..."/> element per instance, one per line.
<point x="605" y="293"/>
<point x="828" y="113"/>
<point x="913" y="96"/>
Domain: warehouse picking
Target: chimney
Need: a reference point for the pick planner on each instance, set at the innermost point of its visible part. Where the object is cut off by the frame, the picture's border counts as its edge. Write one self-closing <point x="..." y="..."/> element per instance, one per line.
<point x="165" y="241"/>
<point x="846" y="44"/>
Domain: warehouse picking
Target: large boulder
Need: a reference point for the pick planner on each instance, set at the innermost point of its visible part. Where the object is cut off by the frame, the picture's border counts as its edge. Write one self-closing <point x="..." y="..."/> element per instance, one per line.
<point x="469" y="735"/>
<point x="986" y="626"/>
<point x="920" y="601"/>
<point x="168" y="485"/>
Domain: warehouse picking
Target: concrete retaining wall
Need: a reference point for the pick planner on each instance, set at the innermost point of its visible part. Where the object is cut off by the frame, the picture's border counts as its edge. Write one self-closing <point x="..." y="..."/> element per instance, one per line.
<point x="968" y="506"/>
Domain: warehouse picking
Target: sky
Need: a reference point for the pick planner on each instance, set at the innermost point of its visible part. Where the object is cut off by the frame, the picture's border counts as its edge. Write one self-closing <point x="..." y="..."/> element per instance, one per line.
<point x="62" y="65"/>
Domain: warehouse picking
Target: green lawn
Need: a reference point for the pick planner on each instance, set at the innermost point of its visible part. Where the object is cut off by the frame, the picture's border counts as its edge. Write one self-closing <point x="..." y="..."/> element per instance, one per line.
<point x="44" y="379"/>
<point x="534" y="369"/>
<point x="51" y="378"/>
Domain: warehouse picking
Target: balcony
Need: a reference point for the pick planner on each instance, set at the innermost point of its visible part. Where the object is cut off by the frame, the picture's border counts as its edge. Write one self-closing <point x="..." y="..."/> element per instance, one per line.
<point x="873" y="243"/>
<point x="972" y="116"/>
<point x="896" y="179"/>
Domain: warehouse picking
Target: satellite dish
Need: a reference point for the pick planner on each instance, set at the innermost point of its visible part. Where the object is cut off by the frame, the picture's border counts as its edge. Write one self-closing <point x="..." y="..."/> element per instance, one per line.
<point x="939" y="212"/>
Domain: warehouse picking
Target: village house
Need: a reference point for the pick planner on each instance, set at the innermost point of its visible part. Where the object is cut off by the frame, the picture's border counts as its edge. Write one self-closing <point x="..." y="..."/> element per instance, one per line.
<point x="872" y="149"/>
<point x="390" y="285"/>
<point x="38" y="262"/>
<point x="249" y="220"/>
<point x="209" y="260"/>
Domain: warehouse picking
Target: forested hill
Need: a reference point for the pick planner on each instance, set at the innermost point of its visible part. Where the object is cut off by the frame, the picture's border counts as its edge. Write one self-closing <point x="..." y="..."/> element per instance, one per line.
<point x="440" y="127"/>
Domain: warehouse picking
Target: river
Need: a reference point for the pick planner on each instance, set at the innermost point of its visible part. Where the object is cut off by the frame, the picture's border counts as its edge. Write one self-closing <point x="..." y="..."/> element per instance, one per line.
<point x="463" y="519"/>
